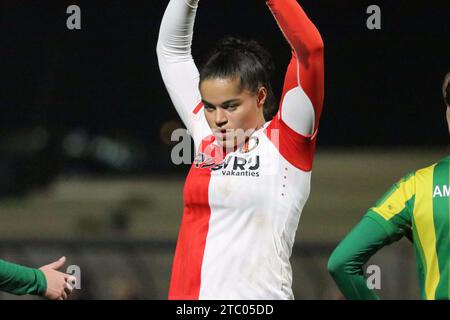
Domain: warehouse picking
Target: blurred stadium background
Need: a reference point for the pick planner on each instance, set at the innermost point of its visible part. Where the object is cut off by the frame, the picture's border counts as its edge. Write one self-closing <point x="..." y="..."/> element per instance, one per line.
<point x="85" y="126"/>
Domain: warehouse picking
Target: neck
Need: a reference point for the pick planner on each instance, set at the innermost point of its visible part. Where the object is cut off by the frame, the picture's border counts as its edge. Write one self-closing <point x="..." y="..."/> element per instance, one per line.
<point x="260" y="123"/>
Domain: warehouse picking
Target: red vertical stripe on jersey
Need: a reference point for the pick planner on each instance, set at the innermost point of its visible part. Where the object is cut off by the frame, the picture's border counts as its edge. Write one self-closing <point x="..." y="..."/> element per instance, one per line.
<point x="187" y="266"/>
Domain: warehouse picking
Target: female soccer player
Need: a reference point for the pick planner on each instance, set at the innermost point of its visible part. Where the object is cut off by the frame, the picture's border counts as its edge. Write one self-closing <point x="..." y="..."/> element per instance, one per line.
<point x="45" y="281"/>
<point x="417" y="207"/>
<point x="251" y="177"/>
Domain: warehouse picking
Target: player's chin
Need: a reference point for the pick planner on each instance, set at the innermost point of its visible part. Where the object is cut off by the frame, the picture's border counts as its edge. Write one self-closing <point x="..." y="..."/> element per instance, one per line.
<point x="227" y="142"/>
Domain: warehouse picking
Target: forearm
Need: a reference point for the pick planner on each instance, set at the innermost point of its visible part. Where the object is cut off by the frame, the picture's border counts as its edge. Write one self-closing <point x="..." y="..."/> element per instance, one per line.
<point x="21" y="280"/>
<point x="346" y="263"/>
<point x="178" y="70"/>
<point x="306" y="69"/>
<point x="353" y="285"/>
<point x="299" y="31"/>
<point x="175" y="35"/>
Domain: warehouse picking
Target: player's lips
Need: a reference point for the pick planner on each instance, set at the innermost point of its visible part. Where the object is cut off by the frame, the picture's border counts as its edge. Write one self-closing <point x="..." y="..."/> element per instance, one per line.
<point x="222" y="134"/>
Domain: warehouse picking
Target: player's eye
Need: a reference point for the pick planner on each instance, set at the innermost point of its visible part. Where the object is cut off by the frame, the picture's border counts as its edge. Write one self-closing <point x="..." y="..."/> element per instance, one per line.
<point x="231" y="107"/>
<point x="209" y="107"/>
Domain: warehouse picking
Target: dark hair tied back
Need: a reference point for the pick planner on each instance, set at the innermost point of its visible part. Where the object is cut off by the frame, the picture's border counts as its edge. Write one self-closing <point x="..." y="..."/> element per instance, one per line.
<point x="247" y="47"/>
<point x="246" y="60"/>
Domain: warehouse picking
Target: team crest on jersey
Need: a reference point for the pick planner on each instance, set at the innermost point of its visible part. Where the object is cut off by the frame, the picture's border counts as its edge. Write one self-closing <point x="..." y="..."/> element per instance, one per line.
<point x="249" y="145"/>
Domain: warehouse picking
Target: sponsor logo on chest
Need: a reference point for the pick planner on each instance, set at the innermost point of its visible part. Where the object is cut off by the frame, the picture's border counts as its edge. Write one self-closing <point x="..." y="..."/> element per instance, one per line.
<point x="441" y="191"/>
<point x="242" y="162"/>
<point x="239" y="166"/>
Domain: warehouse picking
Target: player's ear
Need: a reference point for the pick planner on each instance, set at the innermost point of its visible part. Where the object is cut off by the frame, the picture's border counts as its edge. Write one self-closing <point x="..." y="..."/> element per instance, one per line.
<point x="261" y="96"/>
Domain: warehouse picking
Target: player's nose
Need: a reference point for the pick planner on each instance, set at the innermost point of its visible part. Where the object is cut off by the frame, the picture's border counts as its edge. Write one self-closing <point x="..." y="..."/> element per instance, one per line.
<point x="220" y="118"/>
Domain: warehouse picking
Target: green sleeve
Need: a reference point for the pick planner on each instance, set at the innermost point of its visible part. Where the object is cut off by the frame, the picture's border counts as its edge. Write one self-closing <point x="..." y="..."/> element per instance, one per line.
<point x="20" y="280"/>
<point x="347" y="260"/>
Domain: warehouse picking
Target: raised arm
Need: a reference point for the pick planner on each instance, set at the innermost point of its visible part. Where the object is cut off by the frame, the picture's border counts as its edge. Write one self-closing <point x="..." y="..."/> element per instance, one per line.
<point x="303" y="91"/>
<point x="305" y="70"/>
<point x="299" y="31"/>
<point x="178" y="70"/>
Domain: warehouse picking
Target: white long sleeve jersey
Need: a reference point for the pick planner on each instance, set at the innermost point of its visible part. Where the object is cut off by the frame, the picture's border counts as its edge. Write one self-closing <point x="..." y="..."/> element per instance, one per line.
<point x="241" y="211"/>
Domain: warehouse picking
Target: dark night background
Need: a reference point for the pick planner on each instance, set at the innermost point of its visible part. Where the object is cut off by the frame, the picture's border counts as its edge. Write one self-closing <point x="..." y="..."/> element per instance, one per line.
<point x="85" y="122"/>
<point x="66" y="95"/>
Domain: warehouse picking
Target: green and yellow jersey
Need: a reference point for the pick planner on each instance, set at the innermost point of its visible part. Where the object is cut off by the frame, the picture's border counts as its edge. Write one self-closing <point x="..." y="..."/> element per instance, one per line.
<point x="419" y="203"/>
<point x="417" y="207"/>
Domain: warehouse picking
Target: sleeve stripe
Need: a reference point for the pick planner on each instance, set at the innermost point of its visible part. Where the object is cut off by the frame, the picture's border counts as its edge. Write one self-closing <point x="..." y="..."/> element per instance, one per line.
<point x="197" y="108"/>
<point x="396" y="201"/>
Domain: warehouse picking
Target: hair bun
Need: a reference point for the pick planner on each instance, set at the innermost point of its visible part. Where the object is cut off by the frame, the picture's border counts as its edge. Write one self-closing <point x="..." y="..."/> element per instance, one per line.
<point x="233" y="44"/>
